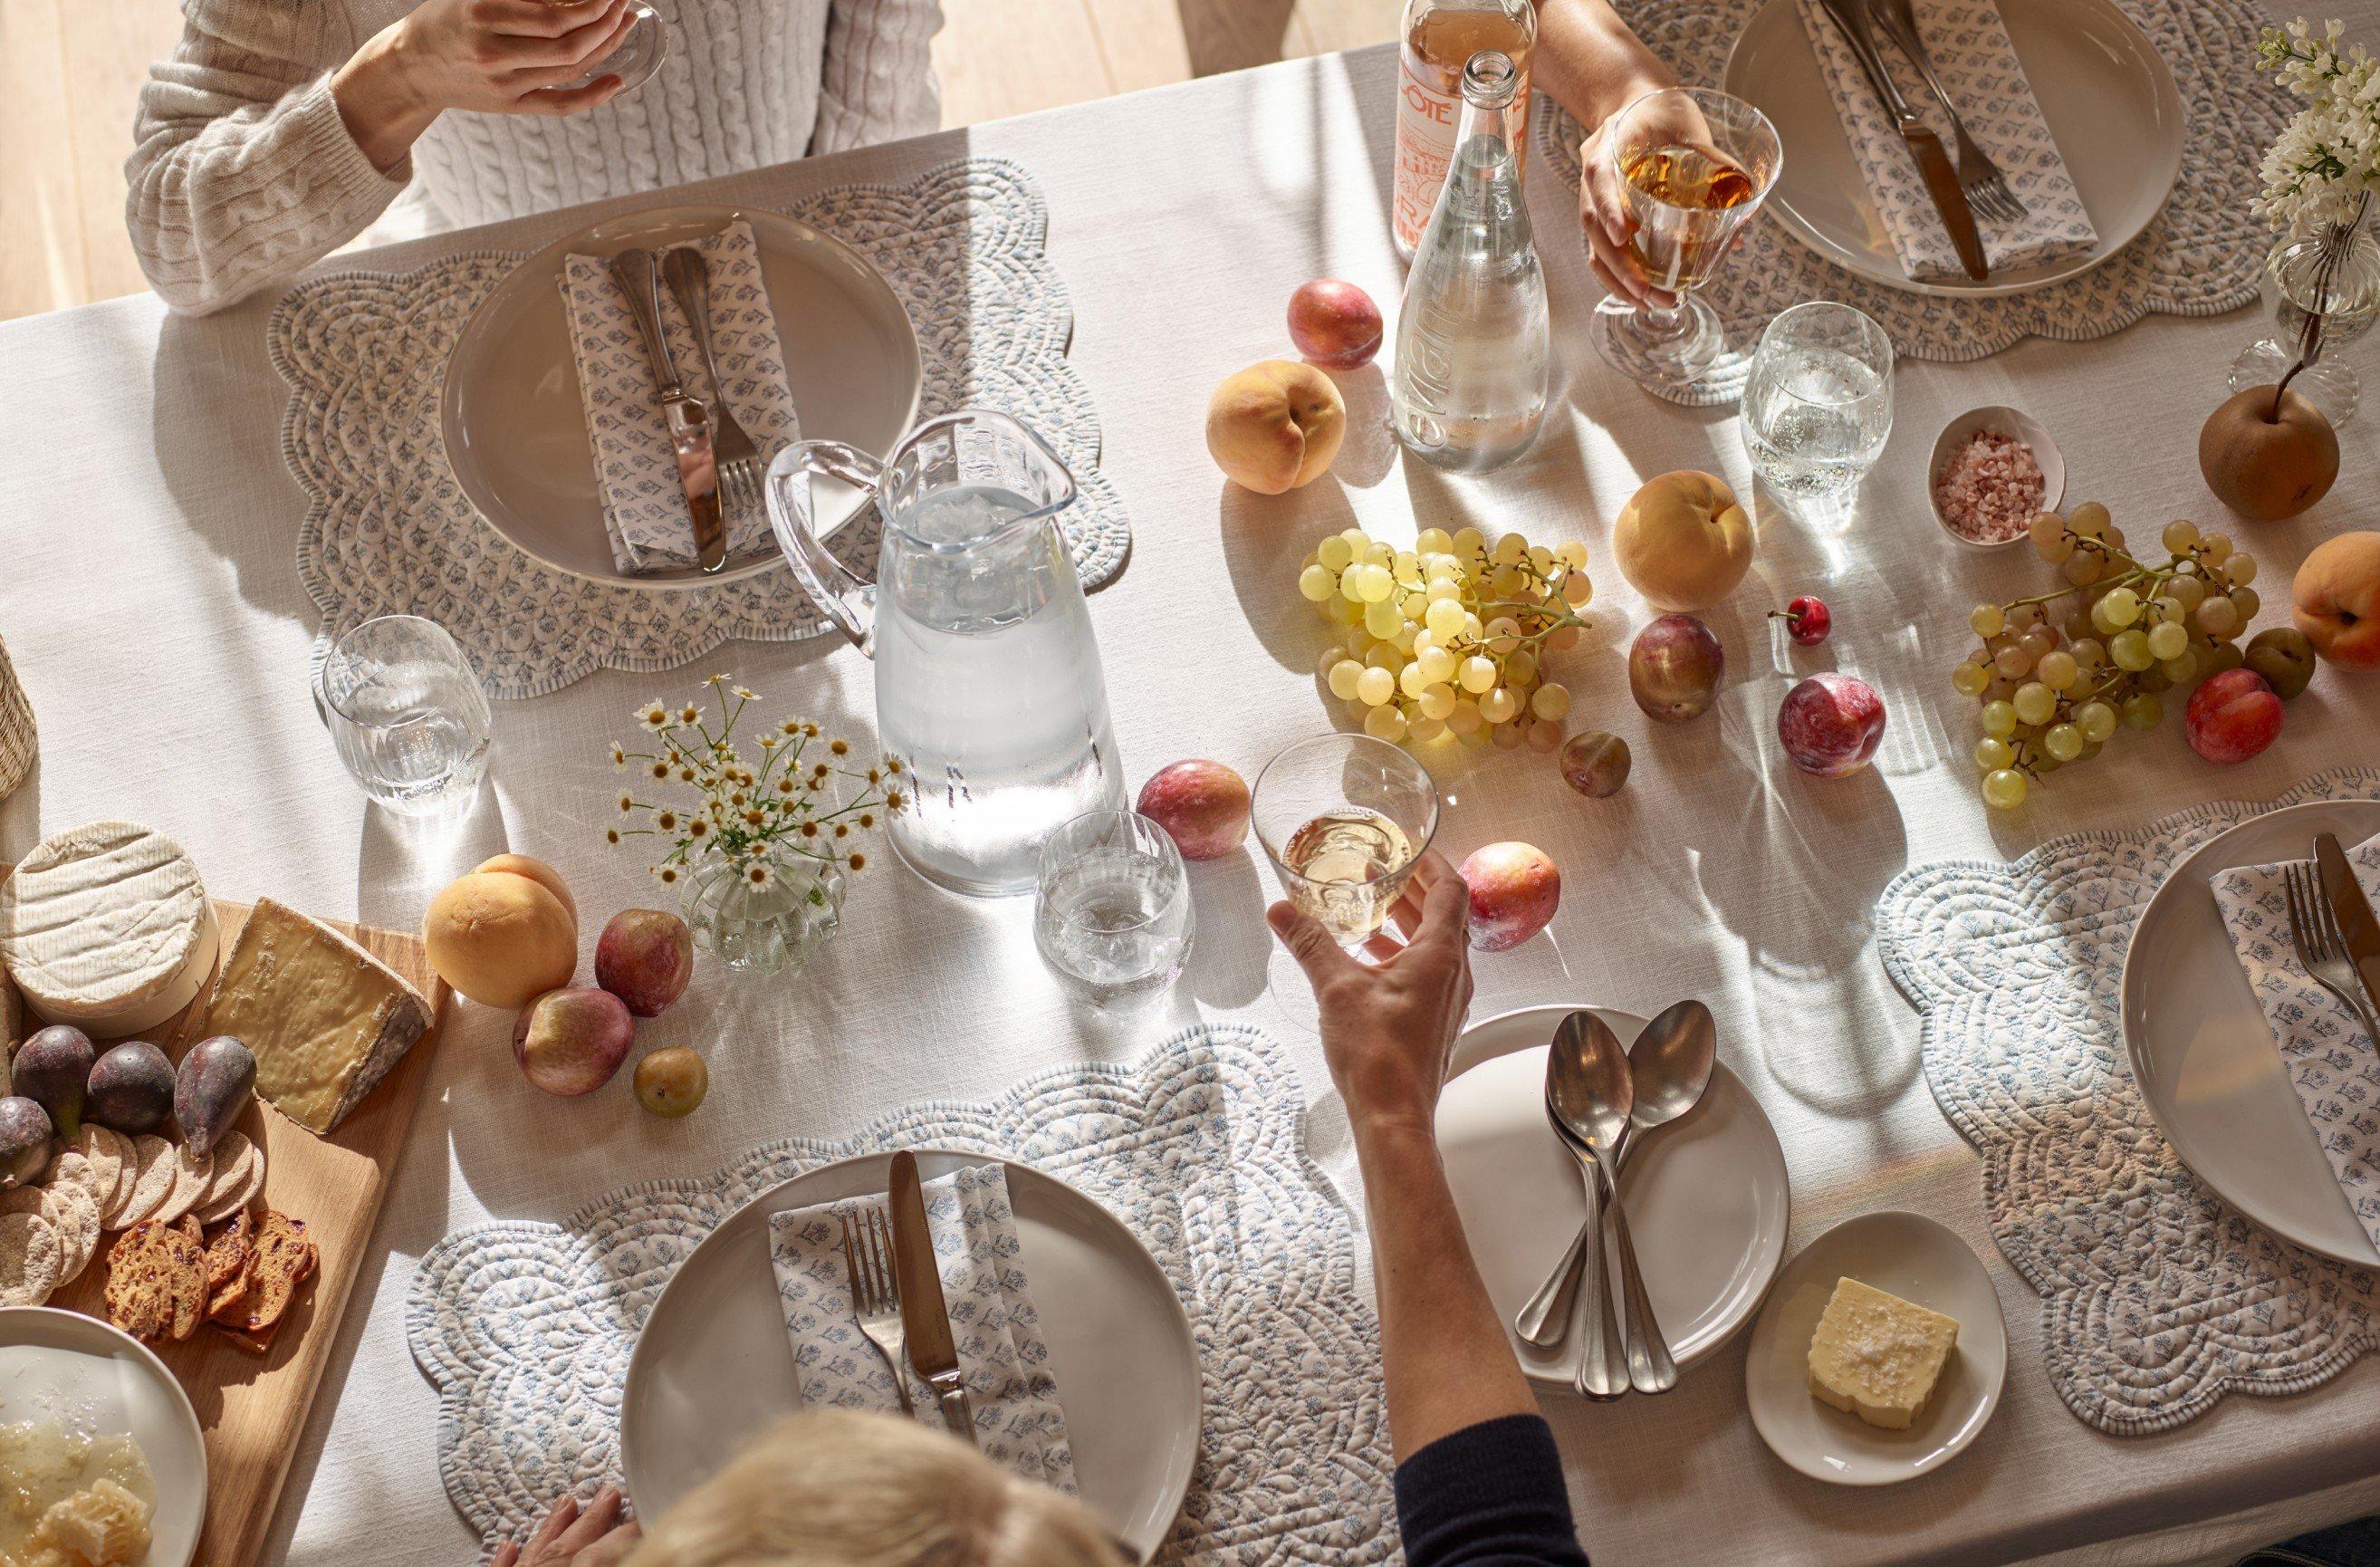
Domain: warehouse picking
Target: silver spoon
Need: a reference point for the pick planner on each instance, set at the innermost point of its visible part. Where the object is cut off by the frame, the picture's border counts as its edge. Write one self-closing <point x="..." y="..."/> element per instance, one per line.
<point x="1588" y="1096"/>
<point x="1668" y="1067"/>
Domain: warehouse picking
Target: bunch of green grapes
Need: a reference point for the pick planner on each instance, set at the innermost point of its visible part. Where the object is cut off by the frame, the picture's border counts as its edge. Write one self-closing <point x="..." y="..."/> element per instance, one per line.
<point x="1449" y="638"/>
<point x="2056" y="673"/>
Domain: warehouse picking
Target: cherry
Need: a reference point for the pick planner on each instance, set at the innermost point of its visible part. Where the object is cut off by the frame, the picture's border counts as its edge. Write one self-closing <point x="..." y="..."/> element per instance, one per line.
<point x="1806" y="619"/>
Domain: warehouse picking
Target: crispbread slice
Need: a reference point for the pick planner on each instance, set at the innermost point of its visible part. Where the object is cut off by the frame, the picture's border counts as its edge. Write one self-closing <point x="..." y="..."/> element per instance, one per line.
<point x="228" y="1252"/>
<point x="127" y="1168"/>
<point x="156" y="1282"/>
<point x="232" y="1150"/>
<point x="227" y="1200"/>
<point x="71" y="1168"/>
<point x="188" y="1255"/>
<point x="193" y="1172"/>
<point x="105" y="1150"/>
<point x="29" y="1260"/>
<point x="152" y="1184"/>
<point x="284" y="1260"/>
<point x="68" y="1211"/>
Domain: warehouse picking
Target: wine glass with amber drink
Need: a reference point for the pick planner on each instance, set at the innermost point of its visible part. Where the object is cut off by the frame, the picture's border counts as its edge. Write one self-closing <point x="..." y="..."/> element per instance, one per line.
<point x="1696" y="164"/>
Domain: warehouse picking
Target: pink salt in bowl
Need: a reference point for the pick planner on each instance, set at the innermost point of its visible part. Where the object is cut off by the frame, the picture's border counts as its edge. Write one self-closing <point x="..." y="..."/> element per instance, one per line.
<point x="1990" y="475"/>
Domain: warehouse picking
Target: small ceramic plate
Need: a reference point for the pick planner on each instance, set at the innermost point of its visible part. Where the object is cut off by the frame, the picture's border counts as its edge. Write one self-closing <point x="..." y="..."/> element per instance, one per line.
<point x="515" y="432"/>
<point x="1707" y="1199"/>
<point x="2006" y="421"/>
<point x="94" y="1381"/>
<point x="713" y="1364"/>
<point x="1903" y="1254"/>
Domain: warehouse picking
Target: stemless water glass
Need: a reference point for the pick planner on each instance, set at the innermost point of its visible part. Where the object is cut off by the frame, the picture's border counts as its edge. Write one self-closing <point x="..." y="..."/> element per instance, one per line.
<point x="1342" y="819"/>
<point x="1111" y="910"/>
<point x="636" y="57"/>
<point x="1696" y="164"/>
<point x="1818" y="405"/>
<point x="408" y="713"/>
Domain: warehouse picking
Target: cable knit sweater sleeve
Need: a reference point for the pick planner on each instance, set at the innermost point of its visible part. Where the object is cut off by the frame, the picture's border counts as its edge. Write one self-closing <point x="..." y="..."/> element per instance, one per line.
<point x="879" y="80"/>
<point x="243" y="172"/>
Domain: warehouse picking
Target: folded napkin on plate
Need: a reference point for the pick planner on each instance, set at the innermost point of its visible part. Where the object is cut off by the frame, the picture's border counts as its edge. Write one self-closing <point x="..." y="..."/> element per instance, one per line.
<point x="2330" y="1062"/>
<point x="636" y="472"/>
<point x="1979" y="68"/>
<point x="1018" y="1420"/>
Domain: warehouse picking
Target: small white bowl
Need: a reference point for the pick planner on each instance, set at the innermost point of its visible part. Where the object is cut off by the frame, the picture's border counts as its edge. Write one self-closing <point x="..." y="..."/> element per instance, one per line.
<point x="2007" y="422"/>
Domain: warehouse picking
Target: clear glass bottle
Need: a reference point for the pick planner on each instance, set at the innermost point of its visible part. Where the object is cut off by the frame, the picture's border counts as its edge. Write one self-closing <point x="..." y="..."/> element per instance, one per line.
<point x="1438" y="39"/>
<point x="1473" y="347"/>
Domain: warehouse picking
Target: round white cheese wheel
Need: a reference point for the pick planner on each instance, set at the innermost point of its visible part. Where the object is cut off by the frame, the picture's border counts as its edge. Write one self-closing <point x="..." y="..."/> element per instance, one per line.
<point x="106" y="927"/>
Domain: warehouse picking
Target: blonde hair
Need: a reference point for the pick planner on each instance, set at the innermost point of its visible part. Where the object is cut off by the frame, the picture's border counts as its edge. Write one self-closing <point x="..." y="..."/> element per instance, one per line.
<point x="835" y="1488"/>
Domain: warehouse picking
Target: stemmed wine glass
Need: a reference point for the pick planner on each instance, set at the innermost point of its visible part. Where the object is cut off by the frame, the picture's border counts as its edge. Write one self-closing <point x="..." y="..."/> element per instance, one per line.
<point x="639" y="53"/>
<point x="1696" y="164"/>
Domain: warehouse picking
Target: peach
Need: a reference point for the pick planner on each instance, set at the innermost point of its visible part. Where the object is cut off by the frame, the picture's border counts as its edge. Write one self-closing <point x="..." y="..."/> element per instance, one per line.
<point x="501" y="938"/>
<point x="645" y="956"/>
<point x="1514" y="890"/>
<point x="1830" y="725"/>
<point x="1334" y="323"/>
<point x="1275" y="425"/>
<point x="569" y="1042"/>
<point x="1682" y="540"/>
<point x="2336" y="597"/>
<point x="2233" y="715"/>
<point x="536" y="871"/>
<point x="1203" y="805"/>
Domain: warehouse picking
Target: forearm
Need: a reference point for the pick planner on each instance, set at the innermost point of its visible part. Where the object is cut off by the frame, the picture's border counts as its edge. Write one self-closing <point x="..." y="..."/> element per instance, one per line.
<point x="1449" y="1364"/>
<point x="1590" y="63"/>
<point x="383" y="111"/>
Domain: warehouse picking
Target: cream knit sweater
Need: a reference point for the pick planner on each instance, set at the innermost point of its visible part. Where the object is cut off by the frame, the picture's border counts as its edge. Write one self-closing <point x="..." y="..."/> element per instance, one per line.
<point x="244" y="174"/>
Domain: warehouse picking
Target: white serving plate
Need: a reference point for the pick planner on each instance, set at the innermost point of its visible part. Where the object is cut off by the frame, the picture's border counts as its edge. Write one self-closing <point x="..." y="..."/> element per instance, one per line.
<point x="2108" y="97"/>
<point x="93" y="1379"/>
<point x="516" y="432"/>
<point x="1706" y="1198"/>
<point x="713" y="1365"/>
<point x="2206" y="1061"/>
<point x="1903" y="1254"/>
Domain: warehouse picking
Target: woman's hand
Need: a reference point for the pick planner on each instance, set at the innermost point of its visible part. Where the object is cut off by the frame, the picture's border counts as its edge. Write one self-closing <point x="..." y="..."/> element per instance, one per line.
<point x="1388" y="1028"/>
<point x="485" y="56"/>
<point x="571" y="1536"/>
<point x="1603" y="209"/>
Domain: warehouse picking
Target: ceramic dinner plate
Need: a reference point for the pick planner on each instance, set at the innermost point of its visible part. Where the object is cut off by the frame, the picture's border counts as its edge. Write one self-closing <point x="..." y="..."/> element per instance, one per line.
<point x="516" y="432"/>
<point x="1903" y="1254"/>
<point x="713" y="1363"/>
<point x="94" y="1381"/>
<point x="1707" y="1199"/>
<point x="2109" y="99"/>
<point x="2206" y="1061"/>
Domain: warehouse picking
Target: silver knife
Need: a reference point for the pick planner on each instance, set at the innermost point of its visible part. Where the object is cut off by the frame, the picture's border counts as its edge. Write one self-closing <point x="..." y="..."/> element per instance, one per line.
<point x="689" y="423"/>
<point x="1933" y="162"/>
<point x="932" y="1355"/>
<point x="2357" y="924"/>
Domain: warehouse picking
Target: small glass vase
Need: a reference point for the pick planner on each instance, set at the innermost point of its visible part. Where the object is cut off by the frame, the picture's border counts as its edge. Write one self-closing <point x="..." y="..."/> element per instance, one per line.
<point x="767" y="929"/>
<point x="2291" y="286"/>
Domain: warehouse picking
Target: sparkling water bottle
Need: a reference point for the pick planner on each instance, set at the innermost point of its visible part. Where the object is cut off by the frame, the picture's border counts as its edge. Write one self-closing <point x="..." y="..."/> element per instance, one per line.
<point x="1473" y="347"/>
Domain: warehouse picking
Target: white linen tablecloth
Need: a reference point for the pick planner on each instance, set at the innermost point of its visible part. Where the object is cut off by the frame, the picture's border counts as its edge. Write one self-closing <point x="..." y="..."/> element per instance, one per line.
<point x="148" y="598"/>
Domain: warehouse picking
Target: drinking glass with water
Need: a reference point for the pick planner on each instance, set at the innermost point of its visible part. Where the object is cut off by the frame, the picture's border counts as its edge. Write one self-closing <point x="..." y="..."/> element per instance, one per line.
<point x="408" y="713"/>
<point x="1112" y="909"/>
<point x="1818" y="405"/>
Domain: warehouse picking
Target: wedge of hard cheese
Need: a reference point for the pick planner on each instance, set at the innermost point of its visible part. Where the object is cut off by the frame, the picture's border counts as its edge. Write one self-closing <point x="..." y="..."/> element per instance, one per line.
<point x="325" y="1018"/>
<point x="1877" y="1356"/>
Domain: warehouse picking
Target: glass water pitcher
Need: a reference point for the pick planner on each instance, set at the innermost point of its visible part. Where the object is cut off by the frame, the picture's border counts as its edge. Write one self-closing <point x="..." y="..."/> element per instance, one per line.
<point x="988" y="680"/>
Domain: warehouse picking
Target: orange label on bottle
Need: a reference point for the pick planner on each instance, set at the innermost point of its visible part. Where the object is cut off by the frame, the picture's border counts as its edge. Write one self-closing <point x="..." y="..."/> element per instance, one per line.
<point x="1427" y="121"/>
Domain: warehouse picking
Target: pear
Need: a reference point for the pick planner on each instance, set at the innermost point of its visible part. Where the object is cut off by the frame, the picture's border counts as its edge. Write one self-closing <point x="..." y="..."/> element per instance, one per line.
<point x="2264" y="466"/>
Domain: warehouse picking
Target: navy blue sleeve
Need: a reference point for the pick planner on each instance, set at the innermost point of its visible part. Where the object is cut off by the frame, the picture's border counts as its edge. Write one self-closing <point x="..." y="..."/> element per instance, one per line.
<point x="1488" y="1496"/>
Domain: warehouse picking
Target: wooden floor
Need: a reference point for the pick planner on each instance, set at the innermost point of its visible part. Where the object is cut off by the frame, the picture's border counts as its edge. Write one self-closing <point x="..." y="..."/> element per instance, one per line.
<point x="69" y="70"/>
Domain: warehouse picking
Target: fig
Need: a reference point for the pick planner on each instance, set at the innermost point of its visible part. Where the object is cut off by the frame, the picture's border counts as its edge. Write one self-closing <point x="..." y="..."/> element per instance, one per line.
<point x="216" y="1080"/>
<point x="24" y="1141"/>
<point x="52" y="1069"/>
<point x="131" y="1088"/>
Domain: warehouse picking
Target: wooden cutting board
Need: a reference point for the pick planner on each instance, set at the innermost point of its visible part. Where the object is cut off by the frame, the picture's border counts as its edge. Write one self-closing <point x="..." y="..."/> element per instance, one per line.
<point x="253" y="1408"/>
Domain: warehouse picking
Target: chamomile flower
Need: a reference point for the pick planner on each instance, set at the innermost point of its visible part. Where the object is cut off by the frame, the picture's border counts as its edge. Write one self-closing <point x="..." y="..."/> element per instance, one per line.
<point x="611" y="837"/>
<point x="839" y="747"/>
<point x="757" y="873"/>
<point x="667" y="875"/>
<point x="653" y="716"/>
<point x="627" y="804"/>
<point x="619" y="757"/>
<point x="857" y="861"/>
<point x="746" y="694"/>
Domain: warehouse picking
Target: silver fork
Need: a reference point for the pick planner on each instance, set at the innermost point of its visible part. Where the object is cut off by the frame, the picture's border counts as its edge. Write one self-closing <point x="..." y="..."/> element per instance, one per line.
<point x="740" y="467"/>
<point x="1987" y="190"/>
<point x="876" y="1295"/>
<point x="2322" y="951"/>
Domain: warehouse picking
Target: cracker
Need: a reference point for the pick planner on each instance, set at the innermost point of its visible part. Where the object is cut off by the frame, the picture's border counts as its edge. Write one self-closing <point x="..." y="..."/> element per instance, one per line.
<point x="68" y="1211"/>
<point x="102" y="1152"/>
<point x="234" y="1198"/>
<point x="193" y="1172"/>
<point x="71" y="1168"/>
<point x="152" y="1184"/>
<point x="29" y="1260"/>
<point x="233" y="1154"/>
<point x="128" y="1167"/>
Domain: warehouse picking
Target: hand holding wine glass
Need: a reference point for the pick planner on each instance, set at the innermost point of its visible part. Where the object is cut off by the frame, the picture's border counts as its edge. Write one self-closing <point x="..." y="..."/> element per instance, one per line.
<point x="1604" y="210"/>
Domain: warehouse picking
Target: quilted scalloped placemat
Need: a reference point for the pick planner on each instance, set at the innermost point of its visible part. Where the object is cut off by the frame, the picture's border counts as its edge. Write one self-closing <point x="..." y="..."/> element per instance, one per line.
<point x="2200" y="257"/>
<point x="388" y="530"/>
<point x="2156" y="1298"/>
<point x="1199" y="1147"/>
